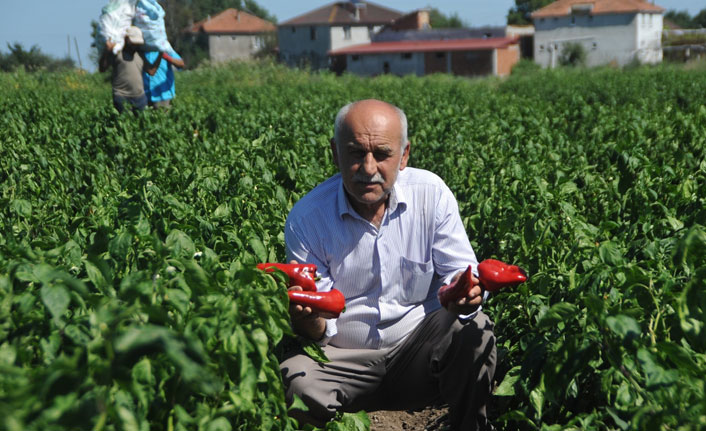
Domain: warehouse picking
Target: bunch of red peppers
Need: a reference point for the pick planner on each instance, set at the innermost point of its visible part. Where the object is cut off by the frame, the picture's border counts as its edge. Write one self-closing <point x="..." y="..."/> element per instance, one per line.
<point x="327" y="304"/>
<point x="493" y="276"/>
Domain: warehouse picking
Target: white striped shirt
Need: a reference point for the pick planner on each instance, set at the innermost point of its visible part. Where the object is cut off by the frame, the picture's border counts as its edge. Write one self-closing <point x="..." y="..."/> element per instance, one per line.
<point x="389" y="276"/>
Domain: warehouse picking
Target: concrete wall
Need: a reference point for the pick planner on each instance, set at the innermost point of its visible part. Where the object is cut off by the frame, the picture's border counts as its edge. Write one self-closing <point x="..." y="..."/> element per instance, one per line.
<point x="649" y="38"/>
<point x="297" y="49"/>
<point x="358" y="35"/>
<point x="606" y="38"/>
<point x="233" y="47"/>
<point x="398" y="64"/>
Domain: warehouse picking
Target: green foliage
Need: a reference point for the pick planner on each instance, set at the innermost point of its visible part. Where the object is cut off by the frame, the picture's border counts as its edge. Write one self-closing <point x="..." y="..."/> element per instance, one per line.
<point x="684" y="20"/>
<point x="526" y="66"/>
<point x="31" y="60"/>
<point x="438" y="19"/>
<point x="520" y="13"/>
<point x="681" y="18"/>
<point x="573" y="54"/>
<point x="127" y="294"/>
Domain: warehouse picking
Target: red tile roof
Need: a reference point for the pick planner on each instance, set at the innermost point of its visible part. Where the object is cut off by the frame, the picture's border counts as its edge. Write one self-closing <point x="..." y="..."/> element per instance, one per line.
<point x="598" y="7"/>
<point x="232" y="21"/>
<point x="427" y="45"/>
<point x="344" y="13"/>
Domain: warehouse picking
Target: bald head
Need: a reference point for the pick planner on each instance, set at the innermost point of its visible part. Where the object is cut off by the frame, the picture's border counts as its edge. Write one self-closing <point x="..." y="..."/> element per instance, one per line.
<point x="373" y="109"/>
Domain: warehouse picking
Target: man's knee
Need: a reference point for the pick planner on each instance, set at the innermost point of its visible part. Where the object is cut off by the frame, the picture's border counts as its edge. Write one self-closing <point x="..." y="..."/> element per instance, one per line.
<point x="299" y="378"/>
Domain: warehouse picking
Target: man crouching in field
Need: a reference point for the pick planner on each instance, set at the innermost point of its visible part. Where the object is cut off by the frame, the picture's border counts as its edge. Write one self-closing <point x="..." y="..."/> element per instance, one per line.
<point x="387" y="236"/>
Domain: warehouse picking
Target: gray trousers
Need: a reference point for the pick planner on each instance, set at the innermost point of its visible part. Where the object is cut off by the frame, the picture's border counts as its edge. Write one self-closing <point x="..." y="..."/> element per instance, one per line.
<point x="443" y="360"/>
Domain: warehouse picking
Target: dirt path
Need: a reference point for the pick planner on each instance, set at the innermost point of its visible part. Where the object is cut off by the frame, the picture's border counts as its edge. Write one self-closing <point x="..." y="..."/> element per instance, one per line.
<point x="431" y="419"/>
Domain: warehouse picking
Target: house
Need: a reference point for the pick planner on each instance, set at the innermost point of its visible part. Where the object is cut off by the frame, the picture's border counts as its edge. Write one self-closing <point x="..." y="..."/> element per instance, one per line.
<point x="305" y="40"/>
<point x="464" y="57"/>
<point x="231" y="35"/>
<point x="609" y="31"/>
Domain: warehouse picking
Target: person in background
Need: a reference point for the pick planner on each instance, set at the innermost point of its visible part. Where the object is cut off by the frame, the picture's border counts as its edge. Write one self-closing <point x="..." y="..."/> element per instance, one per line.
<point x="387" y="236"/>
<point x="127" y="68"/>
<point x="159" y="88"/>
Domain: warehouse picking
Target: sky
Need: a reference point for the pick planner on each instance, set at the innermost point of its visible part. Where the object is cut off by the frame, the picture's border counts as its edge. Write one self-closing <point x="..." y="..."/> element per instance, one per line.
<point x="58" y="26"/>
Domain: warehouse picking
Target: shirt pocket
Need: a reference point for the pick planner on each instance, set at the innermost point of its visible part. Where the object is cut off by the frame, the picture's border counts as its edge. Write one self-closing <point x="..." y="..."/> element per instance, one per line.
<point x="416" y="279"/>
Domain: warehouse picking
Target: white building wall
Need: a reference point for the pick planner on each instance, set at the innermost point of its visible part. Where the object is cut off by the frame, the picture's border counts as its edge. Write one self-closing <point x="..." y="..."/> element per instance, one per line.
<point x="233" y="47"/>
<point x="374" y="64"/>
<point x="297" y="48"/>
<point x="649" y="38"/>
<point x="606" y="38"/>
<point x="358" y="35"/>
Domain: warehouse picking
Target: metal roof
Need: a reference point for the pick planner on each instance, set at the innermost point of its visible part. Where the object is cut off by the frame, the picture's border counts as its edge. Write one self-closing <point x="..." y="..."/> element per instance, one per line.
<point x="346" y="13"/>
<point x="595" y="7"/>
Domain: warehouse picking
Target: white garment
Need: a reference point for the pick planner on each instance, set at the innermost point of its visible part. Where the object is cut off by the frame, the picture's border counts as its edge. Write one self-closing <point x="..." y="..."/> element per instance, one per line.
<point x="389" y="276"/>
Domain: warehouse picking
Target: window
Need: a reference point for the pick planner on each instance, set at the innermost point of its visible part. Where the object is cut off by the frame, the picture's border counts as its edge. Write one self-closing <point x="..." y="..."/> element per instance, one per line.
<point x="312" y="32"/>
<point x="573" y="20"/>
<point x="347" y="32"/>
<point x="541" y="47"/>
<point x="406" y="55"/>
<point x="440" y="55"/>
<point x="355" y="57"/>
<point x="294" y="29"/>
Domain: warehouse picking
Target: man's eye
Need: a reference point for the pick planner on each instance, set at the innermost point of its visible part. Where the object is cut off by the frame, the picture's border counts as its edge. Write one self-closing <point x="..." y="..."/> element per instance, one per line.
<point x="381" y="156"/>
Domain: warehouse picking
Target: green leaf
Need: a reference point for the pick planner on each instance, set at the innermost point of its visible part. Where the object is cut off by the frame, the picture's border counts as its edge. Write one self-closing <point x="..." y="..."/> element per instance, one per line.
<point x="180" y="243"/>
<point x="22" y="207"/>
<point x="119" y="246"/>
<point x="57" y="299"/>
<point x="507" y="386"/>
<point x="557" y="313"/>
<point x="313" y="350"/>
<point x="624" y="326"/>
<point x="610" y="253"/>
<point x="258" y="248"/>
<point x="349" y="422"/>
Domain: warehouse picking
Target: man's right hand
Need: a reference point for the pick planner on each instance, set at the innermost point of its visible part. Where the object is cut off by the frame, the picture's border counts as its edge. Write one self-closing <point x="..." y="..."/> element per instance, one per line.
<point x="109" y="45"/>
<point x="305" y="321"/>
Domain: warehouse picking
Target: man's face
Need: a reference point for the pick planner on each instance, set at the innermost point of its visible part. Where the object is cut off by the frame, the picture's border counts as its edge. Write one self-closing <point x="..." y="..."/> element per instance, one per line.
<point x="370" y="153"/>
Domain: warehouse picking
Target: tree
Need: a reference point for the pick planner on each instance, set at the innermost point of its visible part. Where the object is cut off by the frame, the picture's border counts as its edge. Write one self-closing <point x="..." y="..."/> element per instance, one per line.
<point x="699" y="20"/>
<point x="31" y="60"/>
<point x="520" y="14"/>
<point x="438" y="19"/>
<point x="680" y="18"/>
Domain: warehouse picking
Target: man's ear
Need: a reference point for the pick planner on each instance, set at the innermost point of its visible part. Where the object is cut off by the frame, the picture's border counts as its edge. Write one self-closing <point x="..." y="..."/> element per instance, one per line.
<point x="334" y="151"/>
<point x="405" y="156"/>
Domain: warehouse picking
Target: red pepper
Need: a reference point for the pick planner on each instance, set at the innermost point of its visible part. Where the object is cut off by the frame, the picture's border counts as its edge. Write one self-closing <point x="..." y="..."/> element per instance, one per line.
<point x="328" y="304"/>
<point x="492" y="274"/>
<point x="457" y="289"/>
<point x="495" y="275"/>
<point x="300" y="274"/>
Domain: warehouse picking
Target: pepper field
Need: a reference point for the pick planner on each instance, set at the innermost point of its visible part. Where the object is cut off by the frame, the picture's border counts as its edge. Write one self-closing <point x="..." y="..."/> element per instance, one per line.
<point x="128" y="297"/>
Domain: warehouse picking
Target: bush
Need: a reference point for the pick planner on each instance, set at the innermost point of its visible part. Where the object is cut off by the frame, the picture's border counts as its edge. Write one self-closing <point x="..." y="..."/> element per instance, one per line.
<point x="573" y="54"/>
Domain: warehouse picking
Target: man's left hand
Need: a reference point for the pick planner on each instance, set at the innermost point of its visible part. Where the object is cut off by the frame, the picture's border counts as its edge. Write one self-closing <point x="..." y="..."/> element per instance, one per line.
<point x="469" y="303"/>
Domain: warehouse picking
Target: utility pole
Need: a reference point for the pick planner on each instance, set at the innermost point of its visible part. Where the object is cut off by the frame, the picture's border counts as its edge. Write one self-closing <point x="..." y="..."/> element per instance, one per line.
<point x="68" y="45"/>
<point x="78" y="54"/>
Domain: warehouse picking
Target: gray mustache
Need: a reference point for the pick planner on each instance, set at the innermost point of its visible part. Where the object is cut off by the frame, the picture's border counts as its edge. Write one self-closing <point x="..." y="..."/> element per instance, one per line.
<point x="375" y="179"/>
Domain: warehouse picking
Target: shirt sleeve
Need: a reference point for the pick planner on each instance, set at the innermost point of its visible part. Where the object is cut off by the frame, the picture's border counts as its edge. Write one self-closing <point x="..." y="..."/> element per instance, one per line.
<point x="297" y="248"/>
<point x="452" y="251"/>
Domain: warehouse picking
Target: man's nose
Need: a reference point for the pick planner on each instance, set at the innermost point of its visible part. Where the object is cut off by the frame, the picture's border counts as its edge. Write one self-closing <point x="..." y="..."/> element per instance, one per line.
<point x="369" y="166"/>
